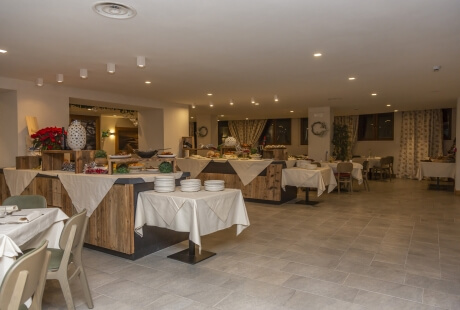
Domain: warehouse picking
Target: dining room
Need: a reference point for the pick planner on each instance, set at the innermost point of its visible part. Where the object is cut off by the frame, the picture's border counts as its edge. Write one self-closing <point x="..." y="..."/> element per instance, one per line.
<point x="221" y="133"/>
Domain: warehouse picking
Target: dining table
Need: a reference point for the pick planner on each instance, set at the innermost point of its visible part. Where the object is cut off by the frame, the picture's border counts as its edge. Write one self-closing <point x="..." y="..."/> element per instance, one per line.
<point x="356" y="173"/>
<point x="436" y="170"/>
<point x="18" y="234"/>
<point x="199" y="213"/>
<point x="318" y="178"/>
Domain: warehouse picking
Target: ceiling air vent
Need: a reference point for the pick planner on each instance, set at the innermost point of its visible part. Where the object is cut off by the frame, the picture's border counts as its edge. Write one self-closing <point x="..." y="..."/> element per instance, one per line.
<point x="114" y="10"/>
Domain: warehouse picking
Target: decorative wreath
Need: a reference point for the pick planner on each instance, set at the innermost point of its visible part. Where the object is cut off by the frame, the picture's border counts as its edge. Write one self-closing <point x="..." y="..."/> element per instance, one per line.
<point x="202" y="131"/>
<point x="319" y="128"/>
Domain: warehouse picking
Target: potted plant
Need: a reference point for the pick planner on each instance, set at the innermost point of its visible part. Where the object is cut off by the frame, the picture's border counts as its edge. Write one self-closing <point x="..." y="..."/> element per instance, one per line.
<point x="341" y="142"/>
<point x="100" y="157"/>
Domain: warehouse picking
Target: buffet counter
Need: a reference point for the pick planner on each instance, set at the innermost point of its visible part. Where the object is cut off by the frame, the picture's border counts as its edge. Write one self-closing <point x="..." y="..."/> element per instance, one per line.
<point x="258" y="180"/>
<point x="111" y="221"/>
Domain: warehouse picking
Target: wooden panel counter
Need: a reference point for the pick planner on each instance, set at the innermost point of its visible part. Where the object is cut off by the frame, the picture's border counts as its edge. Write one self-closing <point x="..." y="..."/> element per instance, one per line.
<point x="266" y="187"/>
<point x="111" y="226"/>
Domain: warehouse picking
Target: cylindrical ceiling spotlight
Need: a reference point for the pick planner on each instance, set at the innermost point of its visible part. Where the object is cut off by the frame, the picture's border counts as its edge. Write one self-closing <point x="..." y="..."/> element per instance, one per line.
<point x="141" y="61"/>
<point x="39" y="82"/>
<point x="252" y="100"/>
<point x="84" y="73"/>
<point x="231" y="102"/>
<point x="276" y="98"/>
<point x="59" y="78"/>
<point x="111" y="68"/>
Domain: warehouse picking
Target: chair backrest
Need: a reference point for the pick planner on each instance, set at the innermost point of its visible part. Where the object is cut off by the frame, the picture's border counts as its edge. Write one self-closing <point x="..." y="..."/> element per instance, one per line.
<point x="25" y="279"/>
<point x="26" y="201"/>
<point x="366" y="166"/>
<point x="80" y="221"/>
<point x="386" y="161"/>
<point x="344" y="167"/>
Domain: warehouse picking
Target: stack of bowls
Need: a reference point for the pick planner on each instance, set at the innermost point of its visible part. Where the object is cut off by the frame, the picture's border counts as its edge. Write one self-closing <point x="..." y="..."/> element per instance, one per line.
<point x="190" y="185"/>
<point x="214" y="185"/>
<point x="165" y="183"/>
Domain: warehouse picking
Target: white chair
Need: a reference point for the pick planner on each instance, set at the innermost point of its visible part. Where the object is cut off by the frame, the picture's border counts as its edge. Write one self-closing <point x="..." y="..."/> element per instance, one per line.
<point x="25" y="279"/>
<point x="69" y="253"/>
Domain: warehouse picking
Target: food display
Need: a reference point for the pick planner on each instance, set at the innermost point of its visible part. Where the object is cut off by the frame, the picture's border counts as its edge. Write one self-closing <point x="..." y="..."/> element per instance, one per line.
<point x="275" y="146"/>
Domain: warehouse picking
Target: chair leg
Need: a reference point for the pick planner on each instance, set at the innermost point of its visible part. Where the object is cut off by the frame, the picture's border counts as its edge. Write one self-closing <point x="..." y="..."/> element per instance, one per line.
<point x="65" y="287"/>
<point x="338" y="186"/>
<point x="86" y="291"/>
<point x="351" y="185"/>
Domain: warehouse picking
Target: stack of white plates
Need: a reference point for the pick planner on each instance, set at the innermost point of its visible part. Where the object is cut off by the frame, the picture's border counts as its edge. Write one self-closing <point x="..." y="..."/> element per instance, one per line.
<point x="190" y="185"/>
<point x="165" y="183"/>
<point x="214" y="185"/>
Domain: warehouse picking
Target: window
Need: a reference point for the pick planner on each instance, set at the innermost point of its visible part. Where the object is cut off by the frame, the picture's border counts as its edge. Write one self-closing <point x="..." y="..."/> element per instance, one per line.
<point x="276" y="131"/>
<point x="222" y="132"/>
<point x="373" y="127"/>
<point x="447" y="124"/>
<point x="304" y="131"/>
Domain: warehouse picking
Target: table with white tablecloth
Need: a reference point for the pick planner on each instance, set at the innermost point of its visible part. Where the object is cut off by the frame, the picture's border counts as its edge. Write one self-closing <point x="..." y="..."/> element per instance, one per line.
<point x="356" y="173"/>
<point x="436" y="170"/>
<point x="17" y="237"/>
<point x="317" y="178"/>
<point x="199" y="213"/>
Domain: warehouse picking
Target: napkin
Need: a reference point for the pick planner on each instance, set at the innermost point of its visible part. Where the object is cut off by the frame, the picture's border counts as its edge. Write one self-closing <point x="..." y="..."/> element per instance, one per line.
<point x="19" y="218"/>
<point x="9" y="208"/>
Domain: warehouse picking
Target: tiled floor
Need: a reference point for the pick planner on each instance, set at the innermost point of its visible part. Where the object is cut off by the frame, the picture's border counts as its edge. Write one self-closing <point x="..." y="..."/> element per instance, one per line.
<point x="395" y="247"/>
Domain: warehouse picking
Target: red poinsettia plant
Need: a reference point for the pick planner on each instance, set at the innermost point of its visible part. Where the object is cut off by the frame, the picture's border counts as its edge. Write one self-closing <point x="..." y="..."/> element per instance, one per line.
<point x="48" y="138"/>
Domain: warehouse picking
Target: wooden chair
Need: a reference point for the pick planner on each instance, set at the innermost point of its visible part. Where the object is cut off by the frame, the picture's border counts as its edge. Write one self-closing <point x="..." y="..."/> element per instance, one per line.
<point x="25" y="279"/>
<point x="343" y="175"/>
<point x="69" y="253"/>
<point x="366" y="174"/>
<point x="26" y="201"/>
<point x="384" y="168"/>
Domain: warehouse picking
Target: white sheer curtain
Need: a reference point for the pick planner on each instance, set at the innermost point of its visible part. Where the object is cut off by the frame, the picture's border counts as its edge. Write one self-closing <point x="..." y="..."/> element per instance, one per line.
<point x="247" y="132"/>
<point x="421" y="137"/>
<point x="352" y="123"/>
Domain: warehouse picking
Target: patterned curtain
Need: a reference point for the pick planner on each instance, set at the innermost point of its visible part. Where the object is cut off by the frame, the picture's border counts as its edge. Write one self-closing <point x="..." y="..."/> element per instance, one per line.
<point x="421" y="137"/>
<point x="352" y="123"/>
<point x="247" y="132"/>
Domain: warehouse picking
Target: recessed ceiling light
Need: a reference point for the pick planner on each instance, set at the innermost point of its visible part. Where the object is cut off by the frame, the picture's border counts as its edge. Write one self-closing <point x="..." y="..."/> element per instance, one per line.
<point x="222" y="115"/>
<point x="374" y="94"/>
<point x="351" y="78"/>
<point x="193" y="106"/>
<point x="291" y="111"/>
<point x="3" y="51"/>
<point x="396" y="110"/>
<point x="209" y="94"/>
<point x="191" y="117"/>
<point x="388" y="105"/>
<point x="148" y="82"/>
<point x="317" y="54"/>
<point x="256" y="103"/>
<point x="211" y="105"/>
<point x="247" y="118"/>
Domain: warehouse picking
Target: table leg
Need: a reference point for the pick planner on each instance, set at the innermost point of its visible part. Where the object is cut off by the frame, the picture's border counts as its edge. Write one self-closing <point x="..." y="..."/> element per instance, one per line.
<point x="307" y="201"/>
<point x="189" y="256"/>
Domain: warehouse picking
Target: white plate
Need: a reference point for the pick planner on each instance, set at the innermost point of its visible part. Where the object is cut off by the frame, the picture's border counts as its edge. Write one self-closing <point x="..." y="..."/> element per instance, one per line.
<point x="167" y="156"/>
<point x="120" y="156"/>
<point x="209" y="189"/>
<point x="164" y="190"/>
<point x="151" y="170"/>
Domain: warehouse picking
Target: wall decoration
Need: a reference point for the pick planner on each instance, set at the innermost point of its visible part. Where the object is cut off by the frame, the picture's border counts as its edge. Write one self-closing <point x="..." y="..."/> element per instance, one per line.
<point x="319" y="128"/>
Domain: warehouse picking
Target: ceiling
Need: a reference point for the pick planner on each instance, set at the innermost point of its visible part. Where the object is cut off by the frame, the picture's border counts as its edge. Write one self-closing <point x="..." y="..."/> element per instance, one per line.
<point x="245" y="49"/>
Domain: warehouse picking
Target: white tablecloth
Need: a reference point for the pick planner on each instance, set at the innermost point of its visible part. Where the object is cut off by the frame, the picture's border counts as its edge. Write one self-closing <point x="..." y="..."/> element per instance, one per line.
<point x="436" y="170"/>
<point x="247" y="170"/>
<point x="356" y="173"/>
<point x="85" y="190"/>
<point x="317" y="178"/>
<point x="199" y="213"/>
<point x="17" y="237"/>
<point x="194" y="166"/>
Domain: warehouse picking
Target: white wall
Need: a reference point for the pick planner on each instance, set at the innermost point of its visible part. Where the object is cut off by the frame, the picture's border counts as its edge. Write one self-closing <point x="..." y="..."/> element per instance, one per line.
<point x="151" y="129"/>
<point x="296" y="148"/>
<point x="50" y="104"/>
<point x="319" y="146"/>
<point x="8" y="128"/>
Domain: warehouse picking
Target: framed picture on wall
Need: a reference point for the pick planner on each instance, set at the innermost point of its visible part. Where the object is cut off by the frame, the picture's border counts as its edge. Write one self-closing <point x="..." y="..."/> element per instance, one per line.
<point x="91" y="124"/>
<point x="126" y="139"/>
<point x="304" y="131"/>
